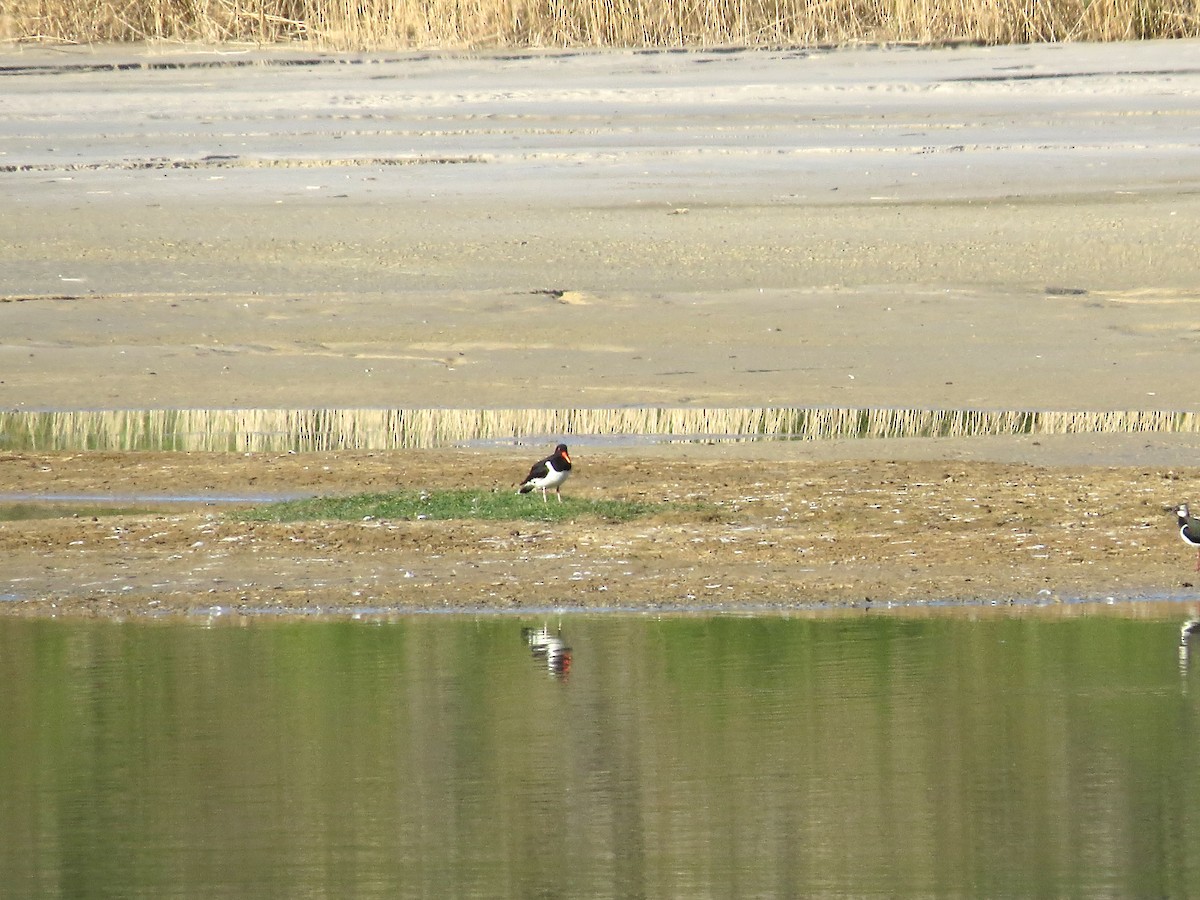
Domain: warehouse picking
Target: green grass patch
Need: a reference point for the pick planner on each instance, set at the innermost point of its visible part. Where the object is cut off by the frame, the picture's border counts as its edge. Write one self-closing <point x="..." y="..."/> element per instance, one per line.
<point x="414" y="505"/>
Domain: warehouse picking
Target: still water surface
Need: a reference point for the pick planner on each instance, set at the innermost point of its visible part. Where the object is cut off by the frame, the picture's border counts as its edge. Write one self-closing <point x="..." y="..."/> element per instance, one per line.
<point x="677" y="757"/>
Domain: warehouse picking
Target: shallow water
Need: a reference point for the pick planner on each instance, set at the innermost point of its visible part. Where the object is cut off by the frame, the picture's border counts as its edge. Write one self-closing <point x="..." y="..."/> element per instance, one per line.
<point x="16" y="507"/>
<point x="691" y="756"/>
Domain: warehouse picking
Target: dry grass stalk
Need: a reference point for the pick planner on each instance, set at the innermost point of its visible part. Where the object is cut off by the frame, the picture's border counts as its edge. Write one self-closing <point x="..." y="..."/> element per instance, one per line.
<point x="277" y="430"/>
<point x="391" y="24"/>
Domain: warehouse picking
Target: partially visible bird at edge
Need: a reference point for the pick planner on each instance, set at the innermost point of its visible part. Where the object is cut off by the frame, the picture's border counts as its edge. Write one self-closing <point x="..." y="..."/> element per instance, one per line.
<point x="1189" y="529"/>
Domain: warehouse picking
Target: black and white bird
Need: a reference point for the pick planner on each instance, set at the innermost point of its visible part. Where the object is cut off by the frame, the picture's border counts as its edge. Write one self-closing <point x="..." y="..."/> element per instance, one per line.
<point x="1189" y="529"/>
<point x="548" y="473"/>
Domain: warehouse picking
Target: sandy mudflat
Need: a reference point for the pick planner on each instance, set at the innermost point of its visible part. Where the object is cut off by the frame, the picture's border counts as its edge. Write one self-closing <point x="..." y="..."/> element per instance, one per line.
<point x="730" y="533"/>
<point x="1009" y="228"/>
<point x="853" y="228"/>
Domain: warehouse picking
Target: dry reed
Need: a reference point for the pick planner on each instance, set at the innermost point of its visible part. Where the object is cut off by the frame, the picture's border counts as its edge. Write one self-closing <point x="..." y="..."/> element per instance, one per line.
<point x="393" y="24"/>
<point x="280" y="430"/>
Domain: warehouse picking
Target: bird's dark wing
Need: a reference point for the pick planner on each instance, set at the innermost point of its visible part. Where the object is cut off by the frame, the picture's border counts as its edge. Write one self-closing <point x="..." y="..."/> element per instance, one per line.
<point x="1190" y="529"/>
<point x="540" y="470"/>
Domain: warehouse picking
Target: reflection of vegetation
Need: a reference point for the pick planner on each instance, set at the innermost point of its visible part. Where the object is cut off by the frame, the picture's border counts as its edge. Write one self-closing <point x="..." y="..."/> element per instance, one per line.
<point x="853" y="756"/>
<point x="448" y="505"/>
<point x="280" y="430"/>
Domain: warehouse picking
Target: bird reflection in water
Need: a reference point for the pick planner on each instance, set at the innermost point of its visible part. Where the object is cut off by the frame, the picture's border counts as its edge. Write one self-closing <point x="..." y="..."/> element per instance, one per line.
<point x="549" y="648"/>
<point x="1186" y="632"/>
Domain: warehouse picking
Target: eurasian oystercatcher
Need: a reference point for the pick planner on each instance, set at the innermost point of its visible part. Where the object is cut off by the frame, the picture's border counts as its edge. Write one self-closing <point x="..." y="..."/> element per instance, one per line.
<point x="548" y="473"/>
<point x="1189" y="529"/>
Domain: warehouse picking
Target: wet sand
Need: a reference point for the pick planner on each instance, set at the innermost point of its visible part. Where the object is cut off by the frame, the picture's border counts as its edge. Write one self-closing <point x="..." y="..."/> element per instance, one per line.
<point x="1008" y="228"/>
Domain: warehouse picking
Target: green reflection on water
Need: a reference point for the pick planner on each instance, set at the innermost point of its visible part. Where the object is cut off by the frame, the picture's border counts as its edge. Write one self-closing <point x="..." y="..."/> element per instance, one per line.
<point x="681" y="757"/>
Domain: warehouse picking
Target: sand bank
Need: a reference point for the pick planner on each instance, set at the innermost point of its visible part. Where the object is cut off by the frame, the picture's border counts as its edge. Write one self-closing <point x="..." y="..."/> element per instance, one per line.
<point x="1006" y="227"/>
<point x="727" y="534"/>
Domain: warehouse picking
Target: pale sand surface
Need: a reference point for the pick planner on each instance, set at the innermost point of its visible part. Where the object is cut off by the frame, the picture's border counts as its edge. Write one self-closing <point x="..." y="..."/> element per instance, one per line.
<point x="967" y="227"/>
<point x="846" y="228"/>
